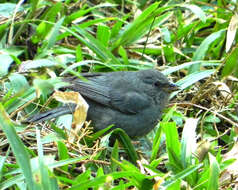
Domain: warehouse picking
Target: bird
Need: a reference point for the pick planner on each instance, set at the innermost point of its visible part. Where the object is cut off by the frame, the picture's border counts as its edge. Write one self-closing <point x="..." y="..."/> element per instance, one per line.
<point x="131" y="100"/>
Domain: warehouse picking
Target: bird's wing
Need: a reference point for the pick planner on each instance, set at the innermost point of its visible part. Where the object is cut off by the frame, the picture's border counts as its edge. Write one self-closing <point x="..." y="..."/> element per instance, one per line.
<point x="93" y="89"/>
<point x="98" y="89"/>
<point x="129" y="102"/>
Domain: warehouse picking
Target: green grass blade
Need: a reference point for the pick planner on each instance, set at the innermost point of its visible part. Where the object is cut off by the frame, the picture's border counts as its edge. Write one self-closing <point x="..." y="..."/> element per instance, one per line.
<point x="213" y="180"/>
<point x="95" y="45"/>
<point x="18" y="148"/>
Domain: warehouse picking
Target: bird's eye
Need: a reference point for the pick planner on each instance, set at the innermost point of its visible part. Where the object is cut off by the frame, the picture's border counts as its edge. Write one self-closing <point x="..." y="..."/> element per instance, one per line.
<point x="157" y="83"/>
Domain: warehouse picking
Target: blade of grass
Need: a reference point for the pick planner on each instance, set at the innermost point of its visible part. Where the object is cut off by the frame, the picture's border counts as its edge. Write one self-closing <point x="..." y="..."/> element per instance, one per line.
<point x="18" y="148"/>
<point x="213" y="180"/>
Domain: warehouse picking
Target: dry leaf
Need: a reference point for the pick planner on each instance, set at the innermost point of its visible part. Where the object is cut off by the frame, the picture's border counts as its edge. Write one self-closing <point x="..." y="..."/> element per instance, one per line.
<point x="231" y="32"/>
<point x="202" y="149"/>
<point x="80" y="112"/>
<point x="231" y="170"/>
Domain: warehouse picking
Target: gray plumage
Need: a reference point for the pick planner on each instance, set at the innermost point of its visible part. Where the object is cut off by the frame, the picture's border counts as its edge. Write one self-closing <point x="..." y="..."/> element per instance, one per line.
<point x="131" y="100"/>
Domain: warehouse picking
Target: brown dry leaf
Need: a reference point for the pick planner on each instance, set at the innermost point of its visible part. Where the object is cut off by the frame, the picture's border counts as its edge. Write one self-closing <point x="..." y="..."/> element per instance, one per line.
<point x="80" y="113"/>
<point x="202" y="149"/>
<point x="231" y="32"/>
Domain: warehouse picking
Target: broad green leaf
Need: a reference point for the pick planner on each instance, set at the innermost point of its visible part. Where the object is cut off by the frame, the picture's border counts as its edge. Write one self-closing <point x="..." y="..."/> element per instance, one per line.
<point x="126" y="142"/>
<point x="172" y="140"/>
<point x="63" y="153"/>
<point x="7" y="59"/>
<point x="103" y="34"/>
<point x="18" y="82"/>
<point x="231" y="64"/>
<point x="212" y="119"/>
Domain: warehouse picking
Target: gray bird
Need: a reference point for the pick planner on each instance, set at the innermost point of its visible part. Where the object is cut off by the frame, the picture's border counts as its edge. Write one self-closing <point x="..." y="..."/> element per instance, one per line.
<point x="131" y="100"/>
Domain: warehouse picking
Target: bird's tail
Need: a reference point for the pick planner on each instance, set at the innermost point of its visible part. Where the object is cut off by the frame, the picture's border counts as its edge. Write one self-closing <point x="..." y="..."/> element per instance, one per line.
<point x="67" y="109"/>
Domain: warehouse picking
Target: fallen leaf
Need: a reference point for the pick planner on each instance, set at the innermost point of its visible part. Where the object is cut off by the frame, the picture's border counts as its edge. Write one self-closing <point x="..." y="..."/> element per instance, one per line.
<point x="231" y="32"/>
<point x="80" y="112"/>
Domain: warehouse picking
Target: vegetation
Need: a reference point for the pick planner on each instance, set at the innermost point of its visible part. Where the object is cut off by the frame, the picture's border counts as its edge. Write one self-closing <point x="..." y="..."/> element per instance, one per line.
<point x="193" y="42"/>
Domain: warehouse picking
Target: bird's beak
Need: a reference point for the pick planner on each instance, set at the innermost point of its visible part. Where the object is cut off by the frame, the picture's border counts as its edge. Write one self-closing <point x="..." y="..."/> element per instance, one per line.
<point x="172" y="87"/>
